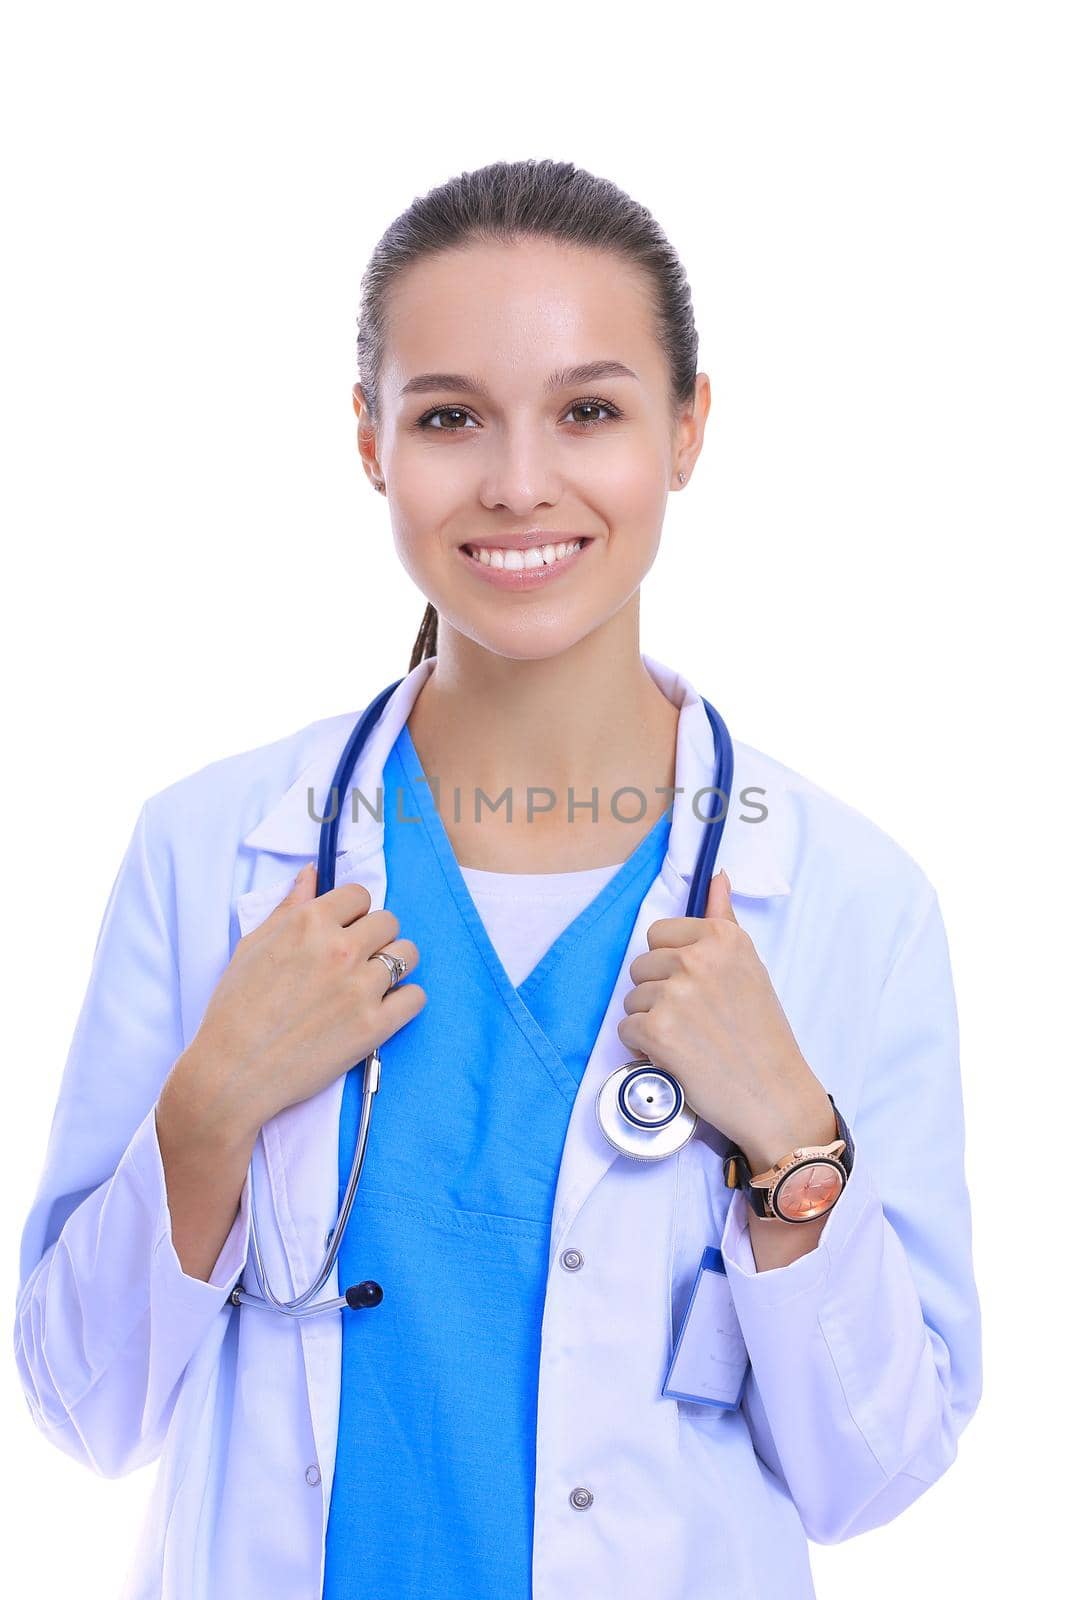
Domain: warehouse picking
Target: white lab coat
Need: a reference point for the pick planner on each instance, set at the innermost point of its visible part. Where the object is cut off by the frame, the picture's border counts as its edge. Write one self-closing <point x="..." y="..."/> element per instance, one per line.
<point x="865" y="1352"/>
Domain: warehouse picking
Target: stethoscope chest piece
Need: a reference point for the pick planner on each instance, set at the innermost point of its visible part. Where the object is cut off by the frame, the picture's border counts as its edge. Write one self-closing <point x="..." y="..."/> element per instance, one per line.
<point x="642" y="1112"/>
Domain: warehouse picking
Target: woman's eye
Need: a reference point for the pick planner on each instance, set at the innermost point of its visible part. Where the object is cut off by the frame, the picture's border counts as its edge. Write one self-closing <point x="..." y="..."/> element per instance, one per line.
<point x="447" y="411"/>
<point x="592" y="405"/>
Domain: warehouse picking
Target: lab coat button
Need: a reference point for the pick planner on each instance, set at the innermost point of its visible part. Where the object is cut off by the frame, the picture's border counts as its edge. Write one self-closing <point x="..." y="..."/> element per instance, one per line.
<point x="312" y="1475"/>
<point x="581" y="1499"/>
<point x="572" y="1260"/>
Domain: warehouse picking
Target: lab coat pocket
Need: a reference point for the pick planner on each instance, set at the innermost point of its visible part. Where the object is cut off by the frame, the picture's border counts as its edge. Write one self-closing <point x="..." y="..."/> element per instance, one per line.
<point x="708" y="1362"/>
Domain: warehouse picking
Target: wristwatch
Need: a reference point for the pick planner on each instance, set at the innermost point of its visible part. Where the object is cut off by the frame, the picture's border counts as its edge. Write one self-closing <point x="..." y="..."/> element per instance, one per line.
<point x="805" y="1184"/>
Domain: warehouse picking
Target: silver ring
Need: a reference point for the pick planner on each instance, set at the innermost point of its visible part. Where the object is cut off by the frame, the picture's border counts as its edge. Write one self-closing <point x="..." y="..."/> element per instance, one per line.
<point x="396" y="964"/>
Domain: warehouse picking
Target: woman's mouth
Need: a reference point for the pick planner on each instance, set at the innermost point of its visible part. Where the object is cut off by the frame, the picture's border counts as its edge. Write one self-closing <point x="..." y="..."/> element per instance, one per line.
<point x="523" y="569"/>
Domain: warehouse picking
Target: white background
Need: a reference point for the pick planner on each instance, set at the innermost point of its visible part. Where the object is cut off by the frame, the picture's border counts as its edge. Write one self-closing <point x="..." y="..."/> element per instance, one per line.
<point x="865" y="573"/>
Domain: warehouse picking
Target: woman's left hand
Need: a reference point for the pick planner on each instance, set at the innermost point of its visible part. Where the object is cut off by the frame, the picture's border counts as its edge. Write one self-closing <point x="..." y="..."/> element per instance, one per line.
<point x="703" y="1008"/>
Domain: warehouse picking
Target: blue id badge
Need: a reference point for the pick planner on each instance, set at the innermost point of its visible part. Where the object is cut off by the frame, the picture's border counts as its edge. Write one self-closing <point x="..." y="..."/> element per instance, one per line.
<point x="710" y="1359"/>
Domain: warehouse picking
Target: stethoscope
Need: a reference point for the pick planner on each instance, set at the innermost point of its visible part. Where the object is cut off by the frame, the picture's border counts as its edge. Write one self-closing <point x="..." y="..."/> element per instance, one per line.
<point x="641" y="1108"/>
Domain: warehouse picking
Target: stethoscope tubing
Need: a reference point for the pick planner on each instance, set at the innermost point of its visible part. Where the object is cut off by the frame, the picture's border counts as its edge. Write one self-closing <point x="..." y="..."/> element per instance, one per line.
<point x="713" y="830"/>
<point x="327" y="862"/>
<point x="299" y="1307"/>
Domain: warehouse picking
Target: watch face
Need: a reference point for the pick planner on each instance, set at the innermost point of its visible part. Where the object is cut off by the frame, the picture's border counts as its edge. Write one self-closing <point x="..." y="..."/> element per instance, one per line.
<point x="808" y="1191"/>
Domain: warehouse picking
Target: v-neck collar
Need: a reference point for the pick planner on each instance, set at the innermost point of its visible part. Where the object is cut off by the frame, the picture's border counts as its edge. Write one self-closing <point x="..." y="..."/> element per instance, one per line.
<point x="520" y="1000"/>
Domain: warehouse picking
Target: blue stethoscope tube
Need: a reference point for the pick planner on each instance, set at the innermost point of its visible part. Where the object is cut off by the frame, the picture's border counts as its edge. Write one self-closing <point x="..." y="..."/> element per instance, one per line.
<point x="646" y="1134"/>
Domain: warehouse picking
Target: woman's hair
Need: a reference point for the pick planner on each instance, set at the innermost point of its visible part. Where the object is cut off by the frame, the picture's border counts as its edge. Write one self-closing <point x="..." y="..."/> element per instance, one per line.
<point x="502" y="203"/>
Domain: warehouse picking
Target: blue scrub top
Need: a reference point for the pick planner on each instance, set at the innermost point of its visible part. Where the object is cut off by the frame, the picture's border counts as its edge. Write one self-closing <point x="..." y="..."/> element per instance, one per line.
<point x="434" y="1479"/>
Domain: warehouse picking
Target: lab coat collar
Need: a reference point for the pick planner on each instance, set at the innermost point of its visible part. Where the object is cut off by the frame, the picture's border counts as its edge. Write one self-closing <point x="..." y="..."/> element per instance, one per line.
<point x="756" y="854"/>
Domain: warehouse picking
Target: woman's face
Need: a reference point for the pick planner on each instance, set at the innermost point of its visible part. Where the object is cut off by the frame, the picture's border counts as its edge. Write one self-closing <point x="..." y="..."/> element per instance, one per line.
<point x="484" y="433"/>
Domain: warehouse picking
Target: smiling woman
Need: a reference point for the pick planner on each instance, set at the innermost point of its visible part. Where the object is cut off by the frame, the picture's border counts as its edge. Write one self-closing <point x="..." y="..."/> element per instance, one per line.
<point x="591" y="1372"/>
<point x="521" y="454"/>
<point x="550" y="322"/>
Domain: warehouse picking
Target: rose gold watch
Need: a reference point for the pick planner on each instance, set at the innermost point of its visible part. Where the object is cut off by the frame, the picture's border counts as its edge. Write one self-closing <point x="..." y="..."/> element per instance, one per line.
<point x="803" y="1185"/>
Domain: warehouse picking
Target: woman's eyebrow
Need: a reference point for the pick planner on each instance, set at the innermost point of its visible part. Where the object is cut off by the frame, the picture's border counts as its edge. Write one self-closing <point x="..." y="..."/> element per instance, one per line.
<point x="588" y="372"/>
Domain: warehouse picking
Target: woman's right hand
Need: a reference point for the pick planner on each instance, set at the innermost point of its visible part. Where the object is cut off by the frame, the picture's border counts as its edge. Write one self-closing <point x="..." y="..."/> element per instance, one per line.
<point x="301" y="1002"/>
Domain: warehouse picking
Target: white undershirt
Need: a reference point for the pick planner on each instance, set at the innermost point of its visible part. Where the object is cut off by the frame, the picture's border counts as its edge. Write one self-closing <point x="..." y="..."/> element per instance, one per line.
<point x="525" y="912"/>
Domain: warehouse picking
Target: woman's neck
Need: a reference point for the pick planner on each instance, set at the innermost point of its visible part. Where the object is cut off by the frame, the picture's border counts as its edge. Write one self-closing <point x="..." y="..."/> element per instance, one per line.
<point x="551" y="732"/>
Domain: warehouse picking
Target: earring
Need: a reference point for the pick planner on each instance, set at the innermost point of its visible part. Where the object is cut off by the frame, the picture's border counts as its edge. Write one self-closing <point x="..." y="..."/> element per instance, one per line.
<point x="379" y="485"/>
<point x="681" y="477"/>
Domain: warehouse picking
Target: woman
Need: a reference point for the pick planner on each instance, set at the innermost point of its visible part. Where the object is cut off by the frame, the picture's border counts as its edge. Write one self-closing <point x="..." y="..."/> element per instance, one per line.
<point x="524" y="1411"/>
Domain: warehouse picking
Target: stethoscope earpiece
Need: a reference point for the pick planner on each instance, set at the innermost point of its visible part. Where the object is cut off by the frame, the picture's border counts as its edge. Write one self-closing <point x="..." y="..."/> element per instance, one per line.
<point x="642" y="1112"/>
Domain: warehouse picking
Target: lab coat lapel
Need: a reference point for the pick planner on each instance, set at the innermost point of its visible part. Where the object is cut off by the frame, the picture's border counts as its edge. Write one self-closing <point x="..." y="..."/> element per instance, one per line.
<point x="586" y="1153"/>
<point x="755" y="855"/>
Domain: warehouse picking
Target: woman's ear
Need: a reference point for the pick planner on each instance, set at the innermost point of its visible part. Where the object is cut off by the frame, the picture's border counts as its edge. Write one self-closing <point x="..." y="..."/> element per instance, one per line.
<point x="366" y="439"/>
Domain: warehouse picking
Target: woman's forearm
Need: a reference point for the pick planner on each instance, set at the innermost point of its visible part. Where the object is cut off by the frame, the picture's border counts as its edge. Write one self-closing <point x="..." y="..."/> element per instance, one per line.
<point x="205" y="1154"/>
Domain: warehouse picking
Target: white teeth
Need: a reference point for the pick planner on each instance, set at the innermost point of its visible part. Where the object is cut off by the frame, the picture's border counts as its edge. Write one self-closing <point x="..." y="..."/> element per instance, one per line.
<point x="515" y="560"/>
